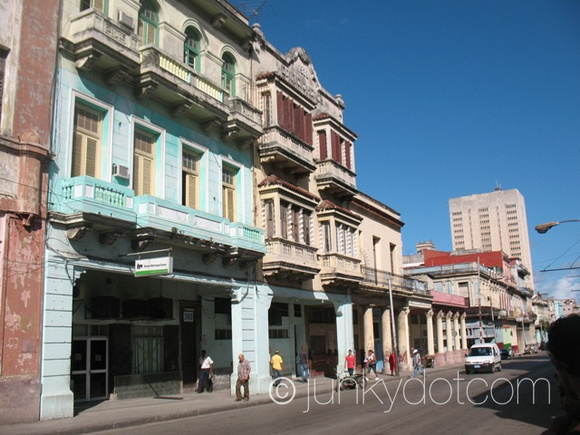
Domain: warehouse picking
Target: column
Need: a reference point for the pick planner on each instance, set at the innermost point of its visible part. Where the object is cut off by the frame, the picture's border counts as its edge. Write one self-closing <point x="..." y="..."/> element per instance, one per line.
<point x="369" y="338"/>
<point x="456" y="331"/>
<point x="403" y="338"/>
<point x="449" y="335"/>
<point x="387" y="335"/>
<point x="250" y="333"/>
<point x="440" y="355"/>
<point x="56" y="400"/>
<point x="430" y="339"/>
<point x="463" y="332"/>
<point x="458" y="353"/>
<point x="344" y="330"/>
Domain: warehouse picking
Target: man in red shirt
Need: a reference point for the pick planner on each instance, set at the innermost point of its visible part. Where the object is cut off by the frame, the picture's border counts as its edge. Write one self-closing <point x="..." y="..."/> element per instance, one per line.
<point x="349" y="362"/>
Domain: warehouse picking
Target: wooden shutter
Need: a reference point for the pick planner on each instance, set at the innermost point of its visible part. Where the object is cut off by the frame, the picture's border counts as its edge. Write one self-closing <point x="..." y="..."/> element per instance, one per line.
<point x="91" y="157"/>
<point x="269" y="219"/>
<point x="347" y="149"/>
<point x="308" y="128"/>
<point x="151" y="30"/>
<point x="322" y="145"/>
<point x="281" y="108"/>
<point x="229" y="209"/>
<point x="295" y="224"/>
<point x="306" y="227"/>
<point x="190" y="190"/>
<point x="284" y="220"/>
<point x="77" y="158"/>
<point x="99" y="4"/>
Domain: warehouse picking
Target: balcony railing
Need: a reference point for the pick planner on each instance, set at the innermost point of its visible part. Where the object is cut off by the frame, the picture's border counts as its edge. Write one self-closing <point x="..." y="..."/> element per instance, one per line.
<point x="332" y="175"/>
<point x="278" y="145"/>
<point x="89" y="195"/>
<point x="291" y="252"/>
<point x="338" y="267"/>
<point x="380" y="279"/>
<point x="152" y="56"/>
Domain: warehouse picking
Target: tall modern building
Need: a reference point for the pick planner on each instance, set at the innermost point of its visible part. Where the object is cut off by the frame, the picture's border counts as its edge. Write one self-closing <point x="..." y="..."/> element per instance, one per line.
<point x="494" y="221"/>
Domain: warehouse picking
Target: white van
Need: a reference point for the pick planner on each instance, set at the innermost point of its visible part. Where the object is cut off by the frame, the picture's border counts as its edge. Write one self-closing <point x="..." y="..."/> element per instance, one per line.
<point x="483" y="357"/>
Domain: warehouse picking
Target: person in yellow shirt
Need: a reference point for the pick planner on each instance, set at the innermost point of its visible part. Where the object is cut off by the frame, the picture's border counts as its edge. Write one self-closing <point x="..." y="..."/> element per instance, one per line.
<point x="277" y="367"/>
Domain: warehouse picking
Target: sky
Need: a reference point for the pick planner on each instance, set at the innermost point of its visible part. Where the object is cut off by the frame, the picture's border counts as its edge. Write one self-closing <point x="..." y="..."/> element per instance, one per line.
<point x="452" y="98"/>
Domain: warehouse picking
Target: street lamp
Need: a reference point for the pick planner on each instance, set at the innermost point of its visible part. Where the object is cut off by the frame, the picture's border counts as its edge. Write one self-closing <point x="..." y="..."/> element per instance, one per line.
<point x="543" y="228"/>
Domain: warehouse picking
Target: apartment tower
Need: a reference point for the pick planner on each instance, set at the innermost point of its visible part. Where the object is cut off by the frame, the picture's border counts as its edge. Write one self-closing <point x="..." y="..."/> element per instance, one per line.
<point x="491" y="222"/>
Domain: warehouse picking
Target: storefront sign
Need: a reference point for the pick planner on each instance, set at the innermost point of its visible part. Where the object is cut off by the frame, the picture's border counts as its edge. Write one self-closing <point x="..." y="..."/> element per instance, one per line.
<point x="154" y="266"/>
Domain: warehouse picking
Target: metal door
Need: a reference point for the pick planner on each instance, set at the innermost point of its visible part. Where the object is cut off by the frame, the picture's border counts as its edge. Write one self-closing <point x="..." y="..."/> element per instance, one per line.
<point x="89" y="368"/>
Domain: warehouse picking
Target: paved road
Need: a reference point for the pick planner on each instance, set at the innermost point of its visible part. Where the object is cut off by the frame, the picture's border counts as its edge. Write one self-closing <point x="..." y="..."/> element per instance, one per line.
<point x="447" y="402"/>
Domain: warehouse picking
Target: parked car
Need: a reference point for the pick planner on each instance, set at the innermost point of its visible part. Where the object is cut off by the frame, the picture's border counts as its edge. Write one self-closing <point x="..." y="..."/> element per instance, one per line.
<point x="530" y="348"/>
<point x="504" y="353"/>
<point x="483" y="357"/>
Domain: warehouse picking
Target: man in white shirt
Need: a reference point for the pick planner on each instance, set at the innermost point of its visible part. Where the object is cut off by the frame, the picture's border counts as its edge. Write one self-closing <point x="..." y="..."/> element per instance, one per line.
<point x="205" y="372"/>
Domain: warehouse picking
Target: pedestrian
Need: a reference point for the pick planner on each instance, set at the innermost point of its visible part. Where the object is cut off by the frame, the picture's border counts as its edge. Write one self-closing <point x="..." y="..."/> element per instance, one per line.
<point x="277" y="367"/>
<point x="372" y="362"/>
<point x="349" y="362"/>
<point x="205" y="373"/>
<point x="393" y="363"/>
<point x="303" y="364"/>
<point x="417" y="364"/>
<point x="243" y="379"/>
<point x="564" y="349"/>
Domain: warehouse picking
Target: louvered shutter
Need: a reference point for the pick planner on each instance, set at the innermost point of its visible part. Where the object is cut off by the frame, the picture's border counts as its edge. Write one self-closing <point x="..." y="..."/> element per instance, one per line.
<point x="269" y="219"/>
<point x="151" y="34"/>
<point x="191" y="189"/>
<point x="322" y="145"/>
<point x="308" y="128"/>
<point x="77" y="157"/>
<point x="99" y="4"/>
<point x="91" y="157"/>
<point x="147" y="175"/>
<point x="284" y="221"/>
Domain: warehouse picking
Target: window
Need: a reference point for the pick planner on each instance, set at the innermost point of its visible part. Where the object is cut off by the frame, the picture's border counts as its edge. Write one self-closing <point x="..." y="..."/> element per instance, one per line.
<point x="326" y="237"/>
<point x="228" y="74"/>
<point x="191" y="48"/>
<point x="95" y="4"/>
<point x="190" y="179"/>
<point x="267" y="108"/>
<point x="270" y="227"/>
<point x="148" y="19"/>
<point x="229" y="193"/>
<point x="147" y="349"/>
<point x="144" y="163"/>
<point x="284" y="206"/>
<point x="86" y="141"/>
<point x="306" y="217"/>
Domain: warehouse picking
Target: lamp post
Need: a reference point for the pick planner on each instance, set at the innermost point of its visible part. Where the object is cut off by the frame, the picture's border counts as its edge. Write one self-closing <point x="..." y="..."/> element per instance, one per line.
<point x="544" y="228"/>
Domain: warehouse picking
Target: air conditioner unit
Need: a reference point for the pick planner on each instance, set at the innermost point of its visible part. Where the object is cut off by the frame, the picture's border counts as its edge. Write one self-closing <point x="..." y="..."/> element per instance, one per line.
<point x="126" y="20"/>
<point x="121" y="171"/>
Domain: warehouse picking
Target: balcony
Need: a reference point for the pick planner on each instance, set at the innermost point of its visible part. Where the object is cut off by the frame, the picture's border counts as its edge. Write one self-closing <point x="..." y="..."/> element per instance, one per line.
<point x="335" y="179"/>
<point x="89" y="204"/>
<point x="278" y="147"/>
<point x="290" y="261"/>
<point x="378" y="280"/>
<point x="339" y="270"/>
<point x="97" y="42"/>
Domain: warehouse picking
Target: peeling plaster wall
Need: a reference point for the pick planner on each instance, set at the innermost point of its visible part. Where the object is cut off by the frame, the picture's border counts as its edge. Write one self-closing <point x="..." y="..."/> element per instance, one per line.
<point x="28" y="34"/>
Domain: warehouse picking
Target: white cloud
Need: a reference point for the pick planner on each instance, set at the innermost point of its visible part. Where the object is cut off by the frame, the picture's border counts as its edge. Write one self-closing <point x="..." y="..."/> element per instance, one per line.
<point x="558" y="286"/>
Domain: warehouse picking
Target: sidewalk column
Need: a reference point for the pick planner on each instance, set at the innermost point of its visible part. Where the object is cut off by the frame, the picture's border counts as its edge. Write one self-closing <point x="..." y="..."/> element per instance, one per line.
<point x="449" y="338"/>
<point x="344" y="330"/>
<point x="458" y="354"/>
<point x="440" y="355"/>
<point x="430" y="339"/>
<point x="250" y="334"/>
<point x="369" y="342"/>
<point x="403" y="338"/>
<point x="463" y="332"/>
<point x="456" y="331"/>
<point x="387" y="337"/>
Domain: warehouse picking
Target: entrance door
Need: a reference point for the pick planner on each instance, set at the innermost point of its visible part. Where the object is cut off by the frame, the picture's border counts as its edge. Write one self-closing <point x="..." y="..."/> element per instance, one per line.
<point x="89" y="368"/>
<point x="188" y="324"/>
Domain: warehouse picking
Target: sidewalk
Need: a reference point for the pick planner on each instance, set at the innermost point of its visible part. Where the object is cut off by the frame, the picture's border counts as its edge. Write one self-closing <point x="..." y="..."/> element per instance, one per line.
<point x="114" y="414"/>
